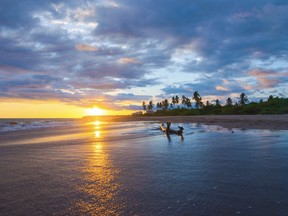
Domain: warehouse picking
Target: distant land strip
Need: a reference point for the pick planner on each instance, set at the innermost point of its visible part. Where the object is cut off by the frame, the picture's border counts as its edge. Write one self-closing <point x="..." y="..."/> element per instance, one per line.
<point x="270" y="122"/>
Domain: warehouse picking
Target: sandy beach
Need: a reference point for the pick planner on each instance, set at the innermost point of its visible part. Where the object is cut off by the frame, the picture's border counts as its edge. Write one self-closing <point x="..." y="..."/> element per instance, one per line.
<point x="272" y="122"/>
<point x="130" y="167"/>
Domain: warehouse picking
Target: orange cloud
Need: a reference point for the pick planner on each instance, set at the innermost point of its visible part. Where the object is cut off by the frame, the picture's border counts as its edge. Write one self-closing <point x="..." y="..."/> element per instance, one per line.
<point x="128" y="61"/>
<point x="267" y="79"/>
<point x="259" y="73"/>
<point x="248" y="87"/>
<point x="221" y="88"/>
<point x="267" y="82"/>
<point x="226" y="82"/>
<point x="85" y="47"/>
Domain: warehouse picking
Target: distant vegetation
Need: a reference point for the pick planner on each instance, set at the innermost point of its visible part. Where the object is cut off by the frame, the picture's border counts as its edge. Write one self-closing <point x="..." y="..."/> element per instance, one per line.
<point x="183" y="106"/>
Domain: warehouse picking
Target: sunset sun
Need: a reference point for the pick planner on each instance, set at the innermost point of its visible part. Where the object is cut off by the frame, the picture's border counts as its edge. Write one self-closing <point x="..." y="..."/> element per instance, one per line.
<point x="95" y="112"/>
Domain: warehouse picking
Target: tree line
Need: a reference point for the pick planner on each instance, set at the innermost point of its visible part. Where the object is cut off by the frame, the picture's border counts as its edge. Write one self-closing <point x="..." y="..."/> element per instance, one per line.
<point x="183" y="106"/>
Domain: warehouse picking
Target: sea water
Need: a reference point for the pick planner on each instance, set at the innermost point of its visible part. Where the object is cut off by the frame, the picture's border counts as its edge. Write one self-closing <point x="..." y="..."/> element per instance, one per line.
<point x="26" y="124"/>
<point x="133" y="168"/>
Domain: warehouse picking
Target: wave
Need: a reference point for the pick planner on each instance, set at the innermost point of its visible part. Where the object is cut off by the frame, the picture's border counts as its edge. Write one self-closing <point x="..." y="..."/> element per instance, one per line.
<point x="7" y="125"/>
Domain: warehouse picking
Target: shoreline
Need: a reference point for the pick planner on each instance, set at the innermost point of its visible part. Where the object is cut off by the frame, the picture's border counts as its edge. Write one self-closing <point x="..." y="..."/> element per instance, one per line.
<point x="269" y="122"/>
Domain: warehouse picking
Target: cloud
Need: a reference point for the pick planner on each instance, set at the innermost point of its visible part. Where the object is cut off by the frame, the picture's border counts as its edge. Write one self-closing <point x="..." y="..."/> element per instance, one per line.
<point x="126" y="60"/>
<point x="268" y="83"/>
<point x="268" y="79"/>
<point x="72" y="51"/>
<point x="261" y="73"/>
<point x="221" y="88"/>
<point x="85" y="47"/>
<point x="129" y="97"/>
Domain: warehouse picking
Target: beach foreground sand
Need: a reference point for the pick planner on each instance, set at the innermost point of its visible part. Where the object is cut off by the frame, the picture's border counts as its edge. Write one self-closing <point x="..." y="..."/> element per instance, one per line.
<point x="131" y="167"/>
<point x="273" y="122"/>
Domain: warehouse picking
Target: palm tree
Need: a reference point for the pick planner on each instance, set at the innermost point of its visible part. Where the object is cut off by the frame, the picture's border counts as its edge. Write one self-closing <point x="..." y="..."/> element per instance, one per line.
<point x="188" y="103"/>
<point x="144" y="106"/>
<point x="150" y="106"/>
<point x="184" y="100"/>
<point x="173" y="101"/>
<point x="229" y="102"/>
<point x="165" y="104"/>
<point x="243" y="99"/>
<point x="177" y="100"/>
<point x="158" y="105"/>
<point x="198" y="99"/>
<point x="270" y="98"/>
<point x="217" y="103"/>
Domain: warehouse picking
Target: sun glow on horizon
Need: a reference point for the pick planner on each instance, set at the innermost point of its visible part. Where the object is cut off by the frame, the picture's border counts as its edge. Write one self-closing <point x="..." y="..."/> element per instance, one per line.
<point x="95" y="112"/>
<point x="51" y="109"/>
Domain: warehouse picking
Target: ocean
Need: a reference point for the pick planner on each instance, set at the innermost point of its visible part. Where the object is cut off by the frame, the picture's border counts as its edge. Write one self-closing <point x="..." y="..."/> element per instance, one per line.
<point x="73" y="167"/>
<point x="26" y="124"/>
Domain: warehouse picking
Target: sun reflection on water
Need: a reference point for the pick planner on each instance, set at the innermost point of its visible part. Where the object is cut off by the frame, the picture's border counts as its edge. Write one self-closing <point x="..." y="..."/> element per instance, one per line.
<point x="101" y="187"/>
<point x="97" y="134"/>
<point x="97" y="129"/>
<point x="97" y="123"/>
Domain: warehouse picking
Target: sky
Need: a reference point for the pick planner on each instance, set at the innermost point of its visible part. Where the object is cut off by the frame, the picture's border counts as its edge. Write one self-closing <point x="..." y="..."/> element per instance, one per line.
<point x="62" y="58"/>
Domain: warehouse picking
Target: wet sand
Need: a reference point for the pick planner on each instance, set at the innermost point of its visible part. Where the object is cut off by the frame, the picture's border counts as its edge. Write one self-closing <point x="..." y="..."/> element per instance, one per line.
<point x="133" y="168"/>
<point x="272" y="122"/>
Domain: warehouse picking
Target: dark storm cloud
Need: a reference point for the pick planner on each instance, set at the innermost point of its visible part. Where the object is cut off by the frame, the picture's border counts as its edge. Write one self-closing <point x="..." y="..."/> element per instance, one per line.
<point x="49" y="45"/>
